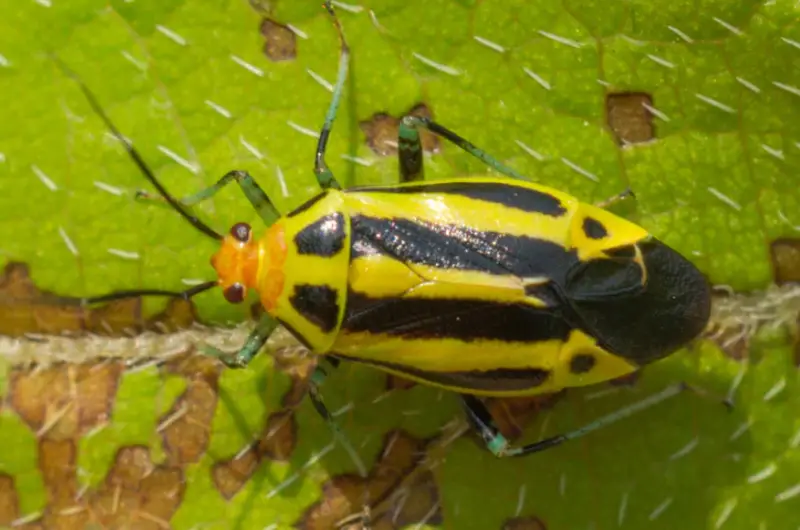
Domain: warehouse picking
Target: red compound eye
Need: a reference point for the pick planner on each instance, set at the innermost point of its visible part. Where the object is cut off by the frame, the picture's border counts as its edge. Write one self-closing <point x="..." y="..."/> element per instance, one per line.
<point x="234" y="294"/>
<point x="241" y="232"/>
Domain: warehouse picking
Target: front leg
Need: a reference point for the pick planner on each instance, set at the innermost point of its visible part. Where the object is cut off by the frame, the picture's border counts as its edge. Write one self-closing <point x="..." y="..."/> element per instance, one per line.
<point x="258" y="199"/>
<point x="255" y="341"/>
<point x="409" y="148"/>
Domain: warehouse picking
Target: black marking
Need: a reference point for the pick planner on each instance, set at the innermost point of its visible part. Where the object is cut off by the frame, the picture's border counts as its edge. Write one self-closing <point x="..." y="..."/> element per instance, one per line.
<point x="296" y="334"/>
<point x="506" y="194"/>
<point x="461" y="247"/>
<point x="626" y="251"/>
<point x="582" y="363"/>
<point x="324" y="238"/>
<point x="599" y="280"/>
<point x="317" y="303"/>
<point x="652" y="321"/>
<point x="498" y="379"/>
<point x="463" y="319"/>
<point x="308" y="204"/>
<point x="593" y="228"/>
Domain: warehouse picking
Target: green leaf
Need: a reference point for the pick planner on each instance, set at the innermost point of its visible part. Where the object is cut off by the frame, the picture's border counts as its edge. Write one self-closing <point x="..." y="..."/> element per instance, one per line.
<point x="153" y="436"/>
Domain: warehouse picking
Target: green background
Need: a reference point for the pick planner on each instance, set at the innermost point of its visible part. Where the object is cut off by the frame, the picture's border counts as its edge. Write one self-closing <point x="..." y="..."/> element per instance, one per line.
<point x="724" y="76"/>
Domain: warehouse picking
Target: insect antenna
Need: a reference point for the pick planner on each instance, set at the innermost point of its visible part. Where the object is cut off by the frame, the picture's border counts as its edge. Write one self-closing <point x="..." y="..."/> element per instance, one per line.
<point x="135" y="293"/>
<point x="136" y="157"/>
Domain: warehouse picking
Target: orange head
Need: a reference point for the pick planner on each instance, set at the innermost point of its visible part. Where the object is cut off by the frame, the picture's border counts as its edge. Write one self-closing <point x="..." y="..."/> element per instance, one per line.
<point x="236" y="262"/>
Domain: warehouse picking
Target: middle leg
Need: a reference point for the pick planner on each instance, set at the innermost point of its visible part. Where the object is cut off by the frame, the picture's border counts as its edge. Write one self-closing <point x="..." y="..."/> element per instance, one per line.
<point x="410" y="149"/>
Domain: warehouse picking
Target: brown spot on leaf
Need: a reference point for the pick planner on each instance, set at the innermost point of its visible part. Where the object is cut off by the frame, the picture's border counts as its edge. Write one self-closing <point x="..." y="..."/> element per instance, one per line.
<point x="395" y="382"/>
<point x="524" y="523"/>
<point x="9" y="500"/>
<point x="626" y="380"/>
<point x="57" y="462"/>
<point x="397" y="492"/>
<point x="231" y="475"/>
<point x="786" y="260"/>
<point x="277" y="442"/>
<point x="137" y="493"/>
<point x="280" y="436"/>
<point x="281" y="42"/>
<point x="796" y="339"/>
<point x="381" y="131"/>
<point x="65" y="401"/>
<point x="628" y="117"/>
<point x="26" y="309"/>
<point x="179" y="314"/>
<point x="186" y="428"/>
<point x="733" y="340"/>
<point x="512" y="414"/>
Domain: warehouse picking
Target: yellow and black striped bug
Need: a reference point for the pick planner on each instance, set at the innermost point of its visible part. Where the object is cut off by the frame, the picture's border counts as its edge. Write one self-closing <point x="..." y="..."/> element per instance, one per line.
<point x="484" y="285"/>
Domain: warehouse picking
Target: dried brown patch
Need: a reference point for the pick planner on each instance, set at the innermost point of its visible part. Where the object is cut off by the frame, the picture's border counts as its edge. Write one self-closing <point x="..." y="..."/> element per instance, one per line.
<point x="186" y="428"/>
<point x="382" y="129"/>
<point x="136" y="493"/>
<point x="230" y="476"/>
<point x="277" y="442"/>
<point x="9" y="500"/>
<point x="65" y="401"/>
<point x="26" y="309"/>
<point x="733" y="340"/>
<point x="397" y="492"/>
<point x="281" y="42"/>
<point x="294" y="362"/>
<point x="629" y="119"/>
<point x="512" y="414"/>
<point x="279" y="438"/>
<point x="298" y="365"/>
<point x="57" y="461"/>
<point x="786" y="260"/>
<point x="524" y="523"/>
<point x="796" y="341"/>
<point x="395" y="382"/>
<point x="626" y="380"/>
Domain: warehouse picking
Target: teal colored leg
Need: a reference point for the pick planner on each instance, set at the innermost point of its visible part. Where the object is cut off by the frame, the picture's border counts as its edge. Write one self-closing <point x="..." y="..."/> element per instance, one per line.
<point x="415" y="122"/>
<point x="409" y="153"/>
<point x="255" y="341"/>
<point x="324" y="174"/>
<point x="315" y="382"/>
<point x="481" y="420"/>
<point x="627" y="194"/>
<point x="266" y="210"/>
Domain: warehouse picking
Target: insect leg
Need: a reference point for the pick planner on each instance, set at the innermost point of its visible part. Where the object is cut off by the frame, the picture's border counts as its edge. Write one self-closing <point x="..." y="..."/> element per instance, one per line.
<point x="480" y="418"/>
<point x="409" y="153"/>
<point x="324" y="174"/>
<point x="135" y="156"/>
<point x="415" y="122"/>
<point x="255" y="341"/>
<point x="315" y="381"/>
<point x="266" y="210"/>
<point x="628" y="193"/>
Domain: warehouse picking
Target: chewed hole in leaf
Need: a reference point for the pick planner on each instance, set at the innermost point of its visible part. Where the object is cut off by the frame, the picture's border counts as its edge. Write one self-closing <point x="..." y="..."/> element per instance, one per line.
<point x="630" y="118"/>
